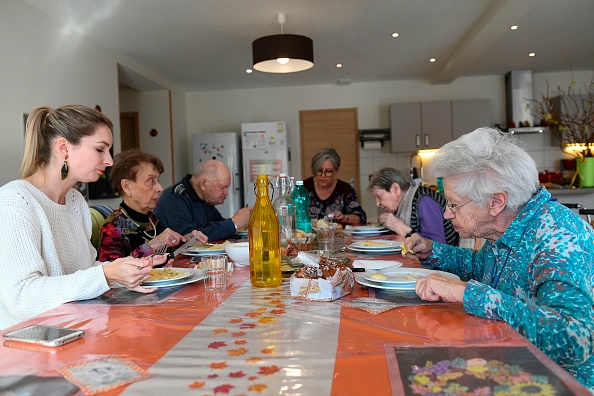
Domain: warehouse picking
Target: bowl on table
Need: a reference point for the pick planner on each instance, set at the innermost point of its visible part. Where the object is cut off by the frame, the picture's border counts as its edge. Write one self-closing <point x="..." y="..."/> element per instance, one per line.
<point x="239" y="253"/>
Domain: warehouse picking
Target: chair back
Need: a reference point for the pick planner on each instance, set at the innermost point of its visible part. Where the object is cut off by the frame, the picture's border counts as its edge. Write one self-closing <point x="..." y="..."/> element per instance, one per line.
<point x="99" y="213"/>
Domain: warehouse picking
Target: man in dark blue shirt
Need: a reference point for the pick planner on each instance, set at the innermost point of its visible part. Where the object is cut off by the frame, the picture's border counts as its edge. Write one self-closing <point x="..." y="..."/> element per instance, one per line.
<point x="190" y="204"/>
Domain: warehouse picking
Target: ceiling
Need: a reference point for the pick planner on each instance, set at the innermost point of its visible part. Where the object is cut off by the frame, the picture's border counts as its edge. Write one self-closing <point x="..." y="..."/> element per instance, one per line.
<point x="206" y="44"/>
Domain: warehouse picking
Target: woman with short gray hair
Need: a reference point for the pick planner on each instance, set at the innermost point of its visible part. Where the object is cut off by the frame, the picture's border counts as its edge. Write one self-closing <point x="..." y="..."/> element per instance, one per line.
<point x="535" y="269"/>
<point x="330" y="195"/>
<point x="411" y="208"/>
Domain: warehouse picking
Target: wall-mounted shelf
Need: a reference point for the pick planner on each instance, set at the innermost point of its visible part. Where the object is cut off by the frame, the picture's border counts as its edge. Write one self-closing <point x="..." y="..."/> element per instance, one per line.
<point x="374" y="135"/>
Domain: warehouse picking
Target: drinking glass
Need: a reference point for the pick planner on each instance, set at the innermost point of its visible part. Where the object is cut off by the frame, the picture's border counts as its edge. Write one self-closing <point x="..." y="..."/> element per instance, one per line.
<point x="326" y="241"/>
<point x="215" y="271"/>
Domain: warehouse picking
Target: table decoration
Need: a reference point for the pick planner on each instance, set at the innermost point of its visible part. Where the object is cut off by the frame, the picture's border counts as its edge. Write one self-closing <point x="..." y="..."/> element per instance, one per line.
<point x="102" y="375"/>
<point x="471" y="369"/>
<point x="569" y="114"/>
<point x="372" y="305"/>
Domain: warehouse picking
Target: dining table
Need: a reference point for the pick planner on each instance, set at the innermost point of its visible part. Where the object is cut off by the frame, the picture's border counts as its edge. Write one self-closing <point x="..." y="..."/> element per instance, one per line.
<point x="245" y="340"/>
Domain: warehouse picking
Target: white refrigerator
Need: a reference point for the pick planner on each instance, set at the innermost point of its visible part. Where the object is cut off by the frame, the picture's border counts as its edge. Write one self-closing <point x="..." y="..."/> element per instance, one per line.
<point x="265" y="147"/>
<point x="225" y="147"/>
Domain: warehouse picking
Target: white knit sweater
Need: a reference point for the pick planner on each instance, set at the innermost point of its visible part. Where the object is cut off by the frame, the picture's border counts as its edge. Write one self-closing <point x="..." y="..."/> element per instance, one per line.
<point x="46" y="257"/>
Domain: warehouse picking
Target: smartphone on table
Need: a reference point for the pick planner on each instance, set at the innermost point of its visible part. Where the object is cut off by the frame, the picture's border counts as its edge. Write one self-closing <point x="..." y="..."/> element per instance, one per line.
<point x="44" y="335"/>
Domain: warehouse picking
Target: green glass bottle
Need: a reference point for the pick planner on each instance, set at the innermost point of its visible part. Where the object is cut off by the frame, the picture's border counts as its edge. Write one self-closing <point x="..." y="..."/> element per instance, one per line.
<point x="264" y="237"/>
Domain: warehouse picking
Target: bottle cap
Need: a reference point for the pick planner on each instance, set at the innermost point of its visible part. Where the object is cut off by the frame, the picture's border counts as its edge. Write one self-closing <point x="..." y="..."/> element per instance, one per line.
<point x="299" y="182"/>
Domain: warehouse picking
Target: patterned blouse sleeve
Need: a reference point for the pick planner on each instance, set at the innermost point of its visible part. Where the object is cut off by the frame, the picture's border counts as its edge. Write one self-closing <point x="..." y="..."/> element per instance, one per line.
<point x="114" y="244"/>
<point x="353" y="206"/>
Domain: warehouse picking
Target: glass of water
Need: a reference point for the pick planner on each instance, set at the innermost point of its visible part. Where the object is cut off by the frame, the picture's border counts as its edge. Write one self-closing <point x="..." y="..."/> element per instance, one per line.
<point x="215" y="271"/>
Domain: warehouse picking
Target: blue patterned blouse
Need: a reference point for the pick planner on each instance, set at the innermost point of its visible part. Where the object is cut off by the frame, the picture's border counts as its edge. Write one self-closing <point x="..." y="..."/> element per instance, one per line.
<point x="539" y="278"/>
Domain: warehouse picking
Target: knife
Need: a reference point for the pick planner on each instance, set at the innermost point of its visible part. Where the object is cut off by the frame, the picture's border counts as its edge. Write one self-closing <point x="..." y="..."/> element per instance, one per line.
<point x="183" y="247"/>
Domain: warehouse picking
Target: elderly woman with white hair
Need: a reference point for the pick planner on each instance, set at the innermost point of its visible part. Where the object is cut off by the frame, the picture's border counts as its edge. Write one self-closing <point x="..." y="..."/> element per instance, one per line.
<point x="535" y="269"/>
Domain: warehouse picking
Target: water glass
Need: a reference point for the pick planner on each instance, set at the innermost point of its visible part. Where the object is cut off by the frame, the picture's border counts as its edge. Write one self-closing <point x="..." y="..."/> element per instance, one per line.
<point x="215" y="271"/>
<point x="326" y="241"/>
<point x="314" y="220"/>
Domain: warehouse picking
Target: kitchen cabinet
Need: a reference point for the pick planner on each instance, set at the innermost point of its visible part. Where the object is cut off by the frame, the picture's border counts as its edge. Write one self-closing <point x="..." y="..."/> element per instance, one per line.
<point x="469" y="114"/>
<point x="430" y="125"/>
<point x="420" y="125"/>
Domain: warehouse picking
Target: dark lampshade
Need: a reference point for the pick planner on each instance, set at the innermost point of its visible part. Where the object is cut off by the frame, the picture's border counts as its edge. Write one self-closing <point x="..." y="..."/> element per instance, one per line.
<point x="282" y="53"/>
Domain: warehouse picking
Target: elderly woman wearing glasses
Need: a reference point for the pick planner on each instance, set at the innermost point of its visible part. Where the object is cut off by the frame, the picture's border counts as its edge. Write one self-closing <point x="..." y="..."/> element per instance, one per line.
<point x="411" y="208"/>
<point x="133" y="229"/>
<point x="535" y="269"/>
<point x="329" y="195"/>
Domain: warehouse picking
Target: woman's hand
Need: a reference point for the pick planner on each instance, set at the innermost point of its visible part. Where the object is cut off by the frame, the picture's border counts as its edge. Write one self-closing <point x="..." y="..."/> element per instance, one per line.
<point x="164" y="240"/>
<point x="131" y="272"/>
<point x="338" y="217"/>
<point x="394" y="223"/>
<point x="418" y="246"/>
<point x="437" y="287"/>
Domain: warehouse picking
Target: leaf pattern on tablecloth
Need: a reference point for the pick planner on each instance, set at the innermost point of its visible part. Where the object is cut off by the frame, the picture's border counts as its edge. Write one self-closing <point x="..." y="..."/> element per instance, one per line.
<point x="237" y="352"/>
<point x="257" y="388"/>
<point x="217" y="344"/>
<point x="238" y="333"/>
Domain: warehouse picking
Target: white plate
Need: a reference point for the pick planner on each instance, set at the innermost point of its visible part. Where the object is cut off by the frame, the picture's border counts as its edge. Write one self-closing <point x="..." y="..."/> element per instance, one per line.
<point x="366" y="230"/>
<point x="194" y="277"/>
<point x="403" y="284"/>
<point x="194" y="251"/>
<point x="375" y="244"/>
<point x="385" y="250"/>
<point x="182" y="274"/>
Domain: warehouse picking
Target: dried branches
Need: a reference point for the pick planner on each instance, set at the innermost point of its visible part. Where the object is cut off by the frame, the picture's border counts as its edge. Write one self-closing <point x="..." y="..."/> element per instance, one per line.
<point x="570" y="116"/>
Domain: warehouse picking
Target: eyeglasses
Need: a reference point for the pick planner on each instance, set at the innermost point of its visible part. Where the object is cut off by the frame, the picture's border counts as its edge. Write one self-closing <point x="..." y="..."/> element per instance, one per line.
<point x="453" y="207"/>
<point x="327" y="173"/>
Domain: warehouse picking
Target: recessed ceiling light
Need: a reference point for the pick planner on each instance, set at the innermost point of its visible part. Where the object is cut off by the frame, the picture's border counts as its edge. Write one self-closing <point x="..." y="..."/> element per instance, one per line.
<point x="514" y="27"/>
<point x="395" y="35"/>
<point x="339" y="65"/>
<point x="248" y="71"/>
<point x="432" y="60"/>
<point x="532" y="54"/>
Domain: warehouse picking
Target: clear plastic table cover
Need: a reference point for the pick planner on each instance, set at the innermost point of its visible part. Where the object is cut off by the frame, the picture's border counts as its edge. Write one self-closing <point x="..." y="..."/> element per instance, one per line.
<point x="247" y="340"/>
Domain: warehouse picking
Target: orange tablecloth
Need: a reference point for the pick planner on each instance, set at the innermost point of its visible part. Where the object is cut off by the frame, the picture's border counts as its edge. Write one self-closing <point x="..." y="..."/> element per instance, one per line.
<point x="255" y="341"/>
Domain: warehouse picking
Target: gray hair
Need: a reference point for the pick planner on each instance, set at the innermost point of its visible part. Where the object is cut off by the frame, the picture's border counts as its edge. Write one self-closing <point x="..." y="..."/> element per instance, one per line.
<point x="385" y="177"/>
<point x="211" y="170"/>
<point x="487" y="161"/>
<point x="324" y="154"/>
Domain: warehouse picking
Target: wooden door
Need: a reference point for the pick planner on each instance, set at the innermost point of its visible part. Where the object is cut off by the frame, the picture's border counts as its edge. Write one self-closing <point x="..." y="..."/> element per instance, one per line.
<point x="130" y="136"/>
<point x="333" y="128"/>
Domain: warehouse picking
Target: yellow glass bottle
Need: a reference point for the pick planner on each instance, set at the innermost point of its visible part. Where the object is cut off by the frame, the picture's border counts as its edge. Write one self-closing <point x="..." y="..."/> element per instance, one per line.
<point x="264" y="237"/>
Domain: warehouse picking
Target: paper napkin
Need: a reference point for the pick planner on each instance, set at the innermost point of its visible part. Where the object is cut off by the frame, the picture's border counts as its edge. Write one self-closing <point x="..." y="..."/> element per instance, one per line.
<point x="376" y="264"/>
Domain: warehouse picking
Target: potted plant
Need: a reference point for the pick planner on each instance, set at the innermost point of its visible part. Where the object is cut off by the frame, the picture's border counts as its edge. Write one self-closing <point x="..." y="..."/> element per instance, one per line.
<point x="569" y="114"/>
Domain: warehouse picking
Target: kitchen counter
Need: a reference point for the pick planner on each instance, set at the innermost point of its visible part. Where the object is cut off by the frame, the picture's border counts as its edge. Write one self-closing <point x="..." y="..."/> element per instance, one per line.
<point x="582" y="196"/>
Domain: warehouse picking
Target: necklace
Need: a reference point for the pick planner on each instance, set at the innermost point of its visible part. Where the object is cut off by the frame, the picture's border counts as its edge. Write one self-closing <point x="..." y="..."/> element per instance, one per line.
<point x="142" y="226"/>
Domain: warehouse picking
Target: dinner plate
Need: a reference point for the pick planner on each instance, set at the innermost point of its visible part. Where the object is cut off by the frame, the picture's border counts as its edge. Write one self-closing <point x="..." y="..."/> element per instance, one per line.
<point x="203" y="251"/>
<point x="375" y="244"/>
<point x="366" y="230"/>
<point x="182" y="273"/>
<point x="395" y="249"/>
<point x="403" y="284"/>
<point x="196" y="275"/>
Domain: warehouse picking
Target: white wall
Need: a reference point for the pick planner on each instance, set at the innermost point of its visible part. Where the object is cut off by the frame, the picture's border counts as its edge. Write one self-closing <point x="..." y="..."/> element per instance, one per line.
<point x="153" y="113"/>
<point x="214" y="111"/>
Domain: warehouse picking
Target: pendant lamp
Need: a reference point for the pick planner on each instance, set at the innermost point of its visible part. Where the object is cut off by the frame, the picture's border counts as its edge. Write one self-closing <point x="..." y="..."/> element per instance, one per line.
<point x="282" y="53"/>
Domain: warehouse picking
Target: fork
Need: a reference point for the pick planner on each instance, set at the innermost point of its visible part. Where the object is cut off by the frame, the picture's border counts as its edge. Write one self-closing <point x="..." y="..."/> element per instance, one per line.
<point x="160" y="251"/>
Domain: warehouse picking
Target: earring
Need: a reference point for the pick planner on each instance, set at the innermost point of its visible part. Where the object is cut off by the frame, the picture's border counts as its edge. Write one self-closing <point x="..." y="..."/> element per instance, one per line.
<point x="64" y="170"/>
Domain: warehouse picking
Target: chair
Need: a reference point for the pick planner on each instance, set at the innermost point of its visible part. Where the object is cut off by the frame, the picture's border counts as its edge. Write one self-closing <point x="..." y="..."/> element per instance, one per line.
<point x="582" y="210"/>
<point x="99" y="213"/>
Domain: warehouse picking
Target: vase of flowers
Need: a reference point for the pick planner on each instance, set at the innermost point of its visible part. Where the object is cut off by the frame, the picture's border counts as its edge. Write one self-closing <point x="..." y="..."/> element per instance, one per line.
<point x="569" y="114"/>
